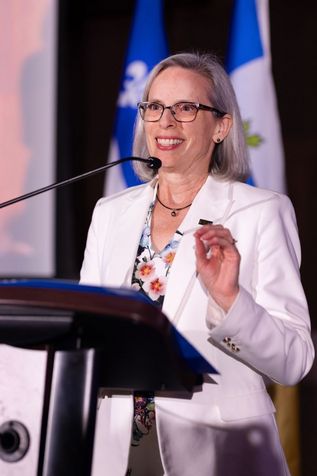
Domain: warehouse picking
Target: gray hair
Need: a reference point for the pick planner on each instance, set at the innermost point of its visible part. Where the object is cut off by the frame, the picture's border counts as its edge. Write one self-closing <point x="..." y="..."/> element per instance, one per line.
<point x="230" y="158"/>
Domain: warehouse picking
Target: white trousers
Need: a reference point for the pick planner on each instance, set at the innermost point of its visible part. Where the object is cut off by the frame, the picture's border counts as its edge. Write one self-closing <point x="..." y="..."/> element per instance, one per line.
<point x="249" y="447"/>
<point x="244" y="447"/>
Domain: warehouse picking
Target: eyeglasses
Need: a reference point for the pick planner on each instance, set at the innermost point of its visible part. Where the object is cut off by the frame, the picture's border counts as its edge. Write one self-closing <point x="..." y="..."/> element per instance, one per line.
<point x="182" y="111"/>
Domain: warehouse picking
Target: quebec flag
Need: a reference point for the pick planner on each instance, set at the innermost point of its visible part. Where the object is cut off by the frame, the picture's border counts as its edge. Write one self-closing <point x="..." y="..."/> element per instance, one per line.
<point x="249" y="66"/>
<point x="147" y="47"/>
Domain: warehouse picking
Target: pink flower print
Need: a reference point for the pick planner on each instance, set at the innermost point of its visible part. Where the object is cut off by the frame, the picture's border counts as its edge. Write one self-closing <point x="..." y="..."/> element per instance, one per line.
<point x="145" y="270"/>
<point x="169" y="256"/>
<point x="155" y="288"/>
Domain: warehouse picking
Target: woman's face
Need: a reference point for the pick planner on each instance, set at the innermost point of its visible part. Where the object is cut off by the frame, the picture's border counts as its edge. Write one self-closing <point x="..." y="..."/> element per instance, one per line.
<point x="183" y="147"/>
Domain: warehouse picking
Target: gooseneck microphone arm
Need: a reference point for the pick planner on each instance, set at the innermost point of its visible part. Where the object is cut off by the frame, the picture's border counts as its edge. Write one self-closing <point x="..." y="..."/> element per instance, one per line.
<point x="151" y="162"/>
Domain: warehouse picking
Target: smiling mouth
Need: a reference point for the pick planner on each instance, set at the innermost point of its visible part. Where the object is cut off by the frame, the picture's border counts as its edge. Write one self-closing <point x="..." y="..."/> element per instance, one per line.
<point x="168" y="142"/>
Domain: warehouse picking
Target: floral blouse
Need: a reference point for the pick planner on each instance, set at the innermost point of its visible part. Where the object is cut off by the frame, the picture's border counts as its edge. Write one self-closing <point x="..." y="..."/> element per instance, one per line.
<point x="151" y="268"/>
<point x="150" y="274"/>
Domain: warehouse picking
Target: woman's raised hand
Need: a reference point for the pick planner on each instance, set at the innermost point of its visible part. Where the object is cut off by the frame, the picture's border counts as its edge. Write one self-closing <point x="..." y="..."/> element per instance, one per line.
<point x="218" y="263"/>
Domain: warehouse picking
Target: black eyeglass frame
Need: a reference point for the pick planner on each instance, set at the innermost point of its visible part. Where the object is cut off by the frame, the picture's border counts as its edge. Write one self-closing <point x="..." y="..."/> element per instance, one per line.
<point x="142" y="107"/>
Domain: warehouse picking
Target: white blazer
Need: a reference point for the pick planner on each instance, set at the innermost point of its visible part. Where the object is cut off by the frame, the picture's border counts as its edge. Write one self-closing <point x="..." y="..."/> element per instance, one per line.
<point x="267" y="329"/>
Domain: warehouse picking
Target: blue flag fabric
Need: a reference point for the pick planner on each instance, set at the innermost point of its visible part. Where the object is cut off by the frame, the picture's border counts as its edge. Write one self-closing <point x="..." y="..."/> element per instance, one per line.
<point x="249" y="65"/>
<point x="147" y="47"/>
<point x="245" y="37"/>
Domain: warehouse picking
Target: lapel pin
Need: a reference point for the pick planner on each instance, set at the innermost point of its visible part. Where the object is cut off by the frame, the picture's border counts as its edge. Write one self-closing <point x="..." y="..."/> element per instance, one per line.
<point x="204" y="222"/>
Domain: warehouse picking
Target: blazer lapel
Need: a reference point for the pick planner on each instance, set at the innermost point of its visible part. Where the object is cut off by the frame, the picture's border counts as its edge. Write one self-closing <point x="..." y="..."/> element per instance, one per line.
<point x="212" y="203"/>
<point x="129" y="227"/>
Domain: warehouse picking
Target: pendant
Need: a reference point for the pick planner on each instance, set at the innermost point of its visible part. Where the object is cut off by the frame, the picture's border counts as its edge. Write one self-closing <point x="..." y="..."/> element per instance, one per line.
<point x="173" y="213"/>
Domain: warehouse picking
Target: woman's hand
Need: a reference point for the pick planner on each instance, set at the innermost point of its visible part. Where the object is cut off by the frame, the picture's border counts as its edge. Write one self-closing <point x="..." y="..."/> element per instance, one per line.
<point x="218" y="262"/>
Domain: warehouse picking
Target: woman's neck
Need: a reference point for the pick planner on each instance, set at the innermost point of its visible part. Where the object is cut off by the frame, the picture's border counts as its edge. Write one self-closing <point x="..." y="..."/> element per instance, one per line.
<point x="176" y="190"/>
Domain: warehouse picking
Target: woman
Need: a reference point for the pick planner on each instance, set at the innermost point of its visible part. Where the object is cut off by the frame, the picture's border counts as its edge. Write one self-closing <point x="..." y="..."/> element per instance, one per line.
<point x="222" y="260"/>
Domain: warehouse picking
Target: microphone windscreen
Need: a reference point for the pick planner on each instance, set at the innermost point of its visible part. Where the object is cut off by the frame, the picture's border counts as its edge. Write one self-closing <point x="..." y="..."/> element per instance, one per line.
<point x="154" y="163"/>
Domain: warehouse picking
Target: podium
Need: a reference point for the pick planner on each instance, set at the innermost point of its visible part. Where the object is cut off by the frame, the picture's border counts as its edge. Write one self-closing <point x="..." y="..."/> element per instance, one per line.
<point x="94" y="337"/>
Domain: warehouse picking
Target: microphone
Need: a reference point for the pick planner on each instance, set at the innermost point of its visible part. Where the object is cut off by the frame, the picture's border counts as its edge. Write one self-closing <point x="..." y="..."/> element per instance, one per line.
<point x="151" y="162"/>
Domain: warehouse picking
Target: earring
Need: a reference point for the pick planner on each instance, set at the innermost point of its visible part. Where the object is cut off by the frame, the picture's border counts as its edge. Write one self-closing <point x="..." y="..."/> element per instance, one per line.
<point x="218" y="140"/>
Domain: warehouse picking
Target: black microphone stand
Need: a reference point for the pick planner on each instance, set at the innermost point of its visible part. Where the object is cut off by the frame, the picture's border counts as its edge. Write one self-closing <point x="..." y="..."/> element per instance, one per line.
<point x="151" y="162"/>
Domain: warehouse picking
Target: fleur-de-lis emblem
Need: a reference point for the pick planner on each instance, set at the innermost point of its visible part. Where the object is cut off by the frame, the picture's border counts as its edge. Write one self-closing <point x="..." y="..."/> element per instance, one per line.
<point x="133" y="85"/>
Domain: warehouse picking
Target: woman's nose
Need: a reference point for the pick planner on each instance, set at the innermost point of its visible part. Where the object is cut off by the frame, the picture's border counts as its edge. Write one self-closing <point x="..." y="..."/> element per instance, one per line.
<point x="167" y="118"/>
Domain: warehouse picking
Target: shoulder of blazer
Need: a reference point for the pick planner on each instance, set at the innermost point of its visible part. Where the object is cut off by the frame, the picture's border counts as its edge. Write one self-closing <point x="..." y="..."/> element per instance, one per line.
<point x="247" y="196"/>
<point x="249" y="193"/>
<point x="221" y="189"/>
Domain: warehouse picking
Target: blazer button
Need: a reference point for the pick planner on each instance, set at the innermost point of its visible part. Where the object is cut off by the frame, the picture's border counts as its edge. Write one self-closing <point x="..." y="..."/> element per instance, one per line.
<point x="235" y="348"/>
<point x="226" y="340"/>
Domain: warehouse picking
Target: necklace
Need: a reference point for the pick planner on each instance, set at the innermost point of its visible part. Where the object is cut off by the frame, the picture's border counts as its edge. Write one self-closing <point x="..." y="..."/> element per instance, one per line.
<point x="174" y="210"/>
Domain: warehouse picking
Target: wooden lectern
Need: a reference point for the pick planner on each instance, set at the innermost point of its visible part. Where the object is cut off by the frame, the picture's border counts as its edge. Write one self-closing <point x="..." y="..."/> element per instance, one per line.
<point x="95" y="337"/>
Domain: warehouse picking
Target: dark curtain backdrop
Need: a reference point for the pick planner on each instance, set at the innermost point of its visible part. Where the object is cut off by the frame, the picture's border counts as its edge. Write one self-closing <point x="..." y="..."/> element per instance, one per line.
<point x="93" y="37"/>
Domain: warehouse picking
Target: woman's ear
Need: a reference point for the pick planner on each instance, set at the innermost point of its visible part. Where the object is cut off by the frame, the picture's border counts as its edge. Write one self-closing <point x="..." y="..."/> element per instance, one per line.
<point x="222" y="129"/>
